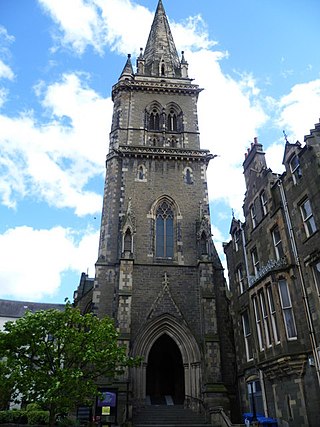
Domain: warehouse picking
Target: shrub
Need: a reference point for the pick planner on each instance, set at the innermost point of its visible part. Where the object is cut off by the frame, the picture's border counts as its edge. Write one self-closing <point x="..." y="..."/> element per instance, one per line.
<point x="15" y="416"/>
<point x="68" y="422"/>
<point x="5" y="417"/>
<point x="38" y="417"/>
<point x="33" y="407"/>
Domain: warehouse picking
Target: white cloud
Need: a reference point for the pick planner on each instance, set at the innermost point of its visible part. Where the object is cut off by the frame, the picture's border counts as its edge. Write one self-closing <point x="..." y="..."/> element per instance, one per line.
<point x="5" y="71"/>
<point x="34" y="260"/>
<point x="230" y="114"/>
<point x="113" y="23"/>
<point x="274" y="156"/>
<point x="54" y="161"/>
<point x="100" y="23"/>
<point x="300" y="110"/>
<point x="78" y="21"/>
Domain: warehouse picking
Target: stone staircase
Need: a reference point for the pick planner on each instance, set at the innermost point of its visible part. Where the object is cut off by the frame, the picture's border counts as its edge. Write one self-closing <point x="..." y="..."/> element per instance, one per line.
<point x="168" y="416"/>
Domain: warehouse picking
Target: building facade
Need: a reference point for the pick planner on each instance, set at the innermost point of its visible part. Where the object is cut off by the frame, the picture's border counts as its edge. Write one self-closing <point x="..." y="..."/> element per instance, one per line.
<point x="158" y="273"/>
<point x="274" y="274"/>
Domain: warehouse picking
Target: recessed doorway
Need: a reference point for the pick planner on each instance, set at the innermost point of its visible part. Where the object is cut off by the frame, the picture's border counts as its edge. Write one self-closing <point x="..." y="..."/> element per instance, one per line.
<point x="165" y="373"/>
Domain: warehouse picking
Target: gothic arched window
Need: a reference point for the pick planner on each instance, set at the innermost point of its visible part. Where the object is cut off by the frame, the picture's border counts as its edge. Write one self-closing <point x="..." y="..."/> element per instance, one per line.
<point x="154" y="120"/>
<point x="141" y="173"/>
<point x="188" y="176"/>
<point x="162" y="68"/>
<point x="172" y="121"/>
<point x="164" y="231"/>
<point x="127" y="241"/>
<point x="203" y="244"/>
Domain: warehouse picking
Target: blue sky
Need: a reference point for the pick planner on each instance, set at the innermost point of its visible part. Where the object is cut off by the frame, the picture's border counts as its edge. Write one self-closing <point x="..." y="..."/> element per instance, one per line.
<point x="258" y="62"/>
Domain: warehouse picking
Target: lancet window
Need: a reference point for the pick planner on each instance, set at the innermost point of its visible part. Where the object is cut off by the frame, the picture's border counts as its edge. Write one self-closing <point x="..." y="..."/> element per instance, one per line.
<point x="154" y="120"/>
<point x="172" y="121"/>
<point x="164" y="230"/>
<point x="127" y="241"/>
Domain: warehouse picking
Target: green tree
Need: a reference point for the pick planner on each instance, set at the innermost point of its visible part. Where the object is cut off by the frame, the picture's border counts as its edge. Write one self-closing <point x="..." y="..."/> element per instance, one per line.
<point x="56" y="357"/>
<point x="6" y="387"/>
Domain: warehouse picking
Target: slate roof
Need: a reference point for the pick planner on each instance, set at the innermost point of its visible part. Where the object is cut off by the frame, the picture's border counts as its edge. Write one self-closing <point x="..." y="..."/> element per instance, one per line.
<point x="16" y="309"/>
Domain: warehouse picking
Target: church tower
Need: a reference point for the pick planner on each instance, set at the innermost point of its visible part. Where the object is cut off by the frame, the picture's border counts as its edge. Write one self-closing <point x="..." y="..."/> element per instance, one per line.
<point x="158" y="273"/>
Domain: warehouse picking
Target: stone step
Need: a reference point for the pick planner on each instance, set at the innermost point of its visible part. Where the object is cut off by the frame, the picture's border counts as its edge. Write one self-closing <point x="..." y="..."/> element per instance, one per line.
<point x="168" y="416"/>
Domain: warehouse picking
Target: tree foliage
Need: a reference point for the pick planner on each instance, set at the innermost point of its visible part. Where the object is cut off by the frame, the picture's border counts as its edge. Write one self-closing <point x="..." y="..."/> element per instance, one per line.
<point x="56" y="357"/>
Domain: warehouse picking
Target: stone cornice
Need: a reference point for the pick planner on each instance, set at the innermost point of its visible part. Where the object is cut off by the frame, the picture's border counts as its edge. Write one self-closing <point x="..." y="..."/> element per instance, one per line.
<point x="160" y="152"/>
<point x="156" y="86"/>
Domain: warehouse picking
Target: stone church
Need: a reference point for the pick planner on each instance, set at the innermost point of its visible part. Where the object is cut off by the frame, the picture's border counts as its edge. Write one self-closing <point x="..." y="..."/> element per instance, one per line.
<point x="158" y="273"/>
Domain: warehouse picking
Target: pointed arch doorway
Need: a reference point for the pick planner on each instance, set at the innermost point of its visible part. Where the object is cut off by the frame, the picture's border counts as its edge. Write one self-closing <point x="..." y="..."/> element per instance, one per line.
<point x="165" y="372"/>
<point x="182" y="338"/>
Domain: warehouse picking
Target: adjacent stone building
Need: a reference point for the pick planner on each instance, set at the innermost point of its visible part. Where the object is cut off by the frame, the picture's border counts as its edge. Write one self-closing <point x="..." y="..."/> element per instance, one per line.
<point x="158" y="273"/>
<point x="274" y="273"/>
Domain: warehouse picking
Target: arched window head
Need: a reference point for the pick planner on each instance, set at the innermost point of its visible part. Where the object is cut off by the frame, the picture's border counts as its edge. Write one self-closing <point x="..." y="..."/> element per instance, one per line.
<point x="203" y="244"/>
<point x="162" y="68"/>
<point x="164" y="230"/>
<point x="154" y="120"/>
<point x="127" y="241"/>
<point x="172" y="121"/>
<point x="188" y="176"/>
<point x="141" y="173"/>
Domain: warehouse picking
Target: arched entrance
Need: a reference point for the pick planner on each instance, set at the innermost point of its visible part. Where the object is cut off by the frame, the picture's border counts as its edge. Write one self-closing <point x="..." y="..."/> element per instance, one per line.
<point x="183" y="341"/>
<point x="165" y="372"/>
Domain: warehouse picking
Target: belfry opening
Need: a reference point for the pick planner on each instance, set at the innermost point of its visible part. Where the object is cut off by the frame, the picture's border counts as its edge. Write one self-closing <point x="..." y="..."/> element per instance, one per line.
<point x="165" y="373"/>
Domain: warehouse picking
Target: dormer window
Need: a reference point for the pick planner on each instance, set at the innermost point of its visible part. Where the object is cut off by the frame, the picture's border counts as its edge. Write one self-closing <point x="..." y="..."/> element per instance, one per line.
<point x="295" y="168"/>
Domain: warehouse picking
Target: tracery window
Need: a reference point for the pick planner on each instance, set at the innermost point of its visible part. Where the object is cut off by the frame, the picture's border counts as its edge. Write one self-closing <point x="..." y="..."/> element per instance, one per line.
<point x="172" y="121"/>
<point x="164" y="231"/>
<point x="154" y="120"/>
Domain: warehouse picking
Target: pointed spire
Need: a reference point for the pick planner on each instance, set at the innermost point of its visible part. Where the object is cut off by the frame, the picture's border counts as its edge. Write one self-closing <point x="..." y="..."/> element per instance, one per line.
<point x="127" y="70"/>
<point x="161" y="57"/>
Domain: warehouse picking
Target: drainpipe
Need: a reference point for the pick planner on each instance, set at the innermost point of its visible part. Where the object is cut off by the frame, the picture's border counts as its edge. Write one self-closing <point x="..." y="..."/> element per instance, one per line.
<point x="263" y="389"/>
<point x="302" y="281"/>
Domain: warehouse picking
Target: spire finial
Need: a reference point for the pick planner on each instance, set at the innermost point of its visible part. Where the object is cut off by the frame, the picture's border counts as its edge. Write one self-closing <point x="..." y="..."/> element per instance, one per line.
<point x="127" y="70"/>
<point x="285" y="136"/>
